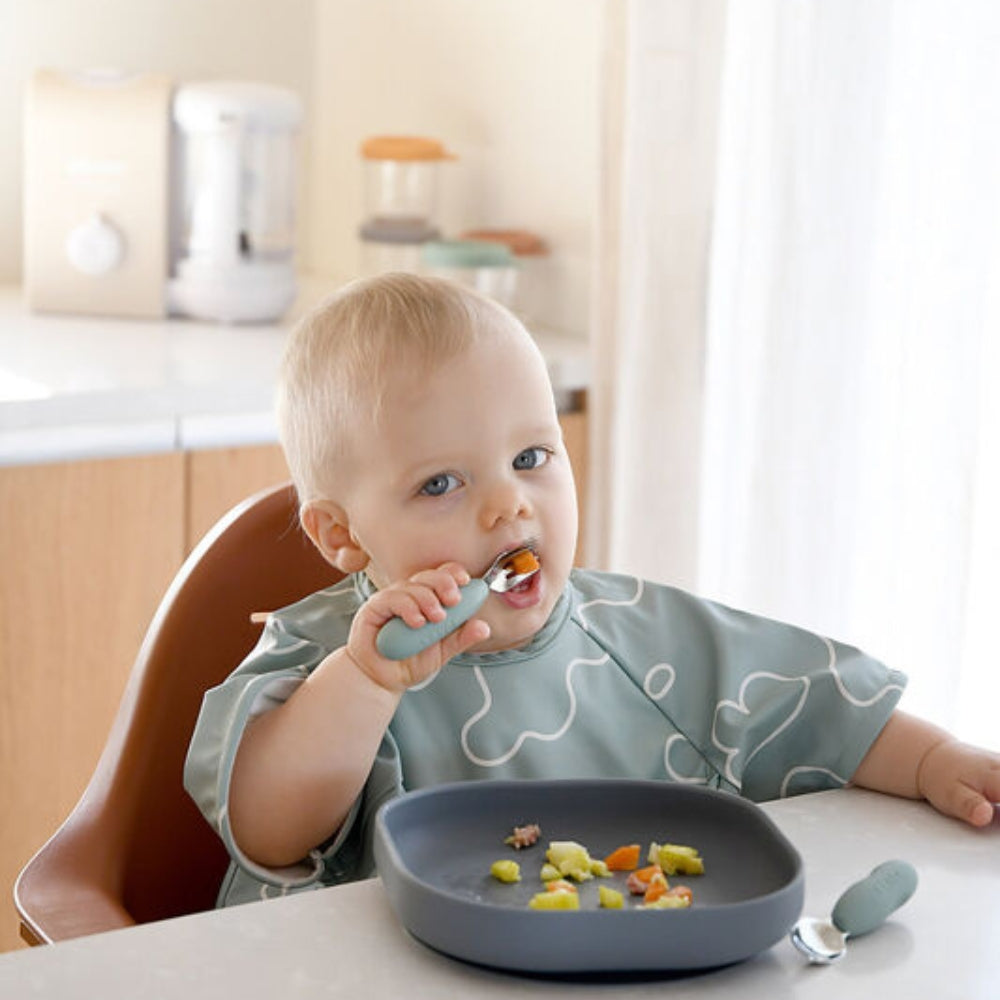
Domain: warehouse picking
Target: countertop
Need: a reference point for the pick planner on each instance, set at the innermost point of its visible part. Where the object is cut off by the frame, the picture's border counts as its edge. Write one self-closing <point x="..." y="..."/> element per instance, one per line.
<point x="346" y="941"/>
<point x="90" y="387"/>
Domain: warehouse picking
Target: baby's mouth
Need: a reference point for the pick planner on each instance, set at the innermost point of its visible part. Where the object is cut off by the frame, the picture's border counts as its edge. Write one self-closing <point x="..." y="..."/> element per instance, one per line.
<point x="513" y="569"/>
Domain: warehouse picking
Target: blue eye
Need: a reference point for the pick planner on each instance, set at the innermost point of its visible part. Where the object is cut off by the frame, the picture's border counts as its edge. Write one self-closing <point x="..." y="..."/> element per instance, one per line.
<point x="439" y="485"/>
<point x="531" y="458"/>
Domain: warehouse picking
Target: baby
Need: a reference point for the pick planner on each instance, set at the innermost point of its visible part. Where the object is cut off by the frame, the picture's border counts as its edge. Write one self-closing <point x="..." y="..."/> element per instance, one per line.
<point x="420" y="428"/>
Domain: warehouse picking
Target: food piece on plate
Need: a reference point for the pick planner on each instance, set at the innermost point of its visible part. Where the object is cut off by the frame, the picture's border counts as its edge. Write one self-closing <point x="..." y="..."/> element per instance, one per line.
<point x="639" y="880"/>
<point x="668" y="901"/>
<point x="610" y="899"/>
<point x="524" y="836"/>
<point x="560" y="885"/>
<point x="676" y="858"/>
<point x="573" y="861"/>
<point x="506" y="871"/>
<point x="623" y="859"/>
<point x="549" y="872"/>
<point x="560" y="899"/>
<point x="658" y="886"/>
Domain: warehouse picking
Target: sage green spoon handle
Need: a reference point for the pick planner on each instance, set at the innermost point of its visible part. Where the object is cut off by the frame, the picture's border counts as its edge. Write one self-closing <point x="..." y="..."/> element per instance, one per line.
<point x="398" y="641"/>
<point x="868" y="903"/>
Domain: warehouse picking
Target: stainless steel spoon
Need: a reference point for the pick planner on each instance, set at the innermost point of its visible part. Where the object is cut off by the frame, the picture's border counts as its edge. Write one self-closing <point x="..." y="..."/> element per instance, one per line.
<point x="861" y="908"/>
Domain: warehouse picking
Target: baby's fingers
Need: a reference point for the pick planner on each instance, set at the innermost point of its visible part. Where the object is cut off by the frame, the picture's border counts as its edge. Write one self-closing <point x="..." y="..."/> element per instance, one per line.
<point x="416" y="605"/>
<point x="972" y="806"/>
<point x="968" y="784"/>
<point x="474" y="631"/>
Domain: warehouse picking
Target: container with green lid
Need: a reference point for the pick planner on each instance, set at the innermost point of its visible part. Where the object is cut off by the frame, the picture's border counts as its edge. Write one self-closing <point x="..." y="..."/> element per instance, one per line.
<point x="489" y="268"/>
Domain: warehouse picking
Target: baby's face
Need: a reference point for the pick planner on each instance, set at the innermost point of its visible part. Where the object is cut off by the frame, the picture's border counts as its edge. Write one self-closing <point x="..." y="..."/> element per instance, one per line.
<point x="466" y="464"/>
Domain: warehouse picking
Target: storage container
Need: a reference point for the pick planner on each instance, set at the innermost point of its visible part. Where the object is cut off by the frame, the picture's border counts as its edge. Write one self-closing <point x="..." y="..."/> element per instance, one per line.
<point x="402" y="176"/>
<point x="489" y="268"/>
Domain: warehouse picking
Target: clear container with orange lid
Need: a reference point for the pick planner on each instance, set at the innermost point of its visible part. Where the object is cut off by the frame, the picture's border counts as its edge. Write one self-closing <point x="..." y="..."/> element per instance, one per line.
<point x="402" y="177"/>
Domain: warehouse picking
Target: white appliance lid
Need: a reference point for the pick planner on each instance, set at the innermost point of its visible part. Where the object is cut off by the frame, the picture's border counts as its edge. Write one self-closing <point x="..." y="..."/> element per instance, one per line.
<point x="215" y="104"/>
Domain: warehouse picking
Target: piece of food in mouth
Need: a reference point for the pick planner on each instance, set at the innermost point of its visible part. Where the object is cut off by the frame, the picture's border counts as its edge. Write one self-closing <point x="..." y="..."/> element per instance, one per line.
<point x="524" y="836"/>
<point x="522" y="561"/>
<point x="506" y="871"/>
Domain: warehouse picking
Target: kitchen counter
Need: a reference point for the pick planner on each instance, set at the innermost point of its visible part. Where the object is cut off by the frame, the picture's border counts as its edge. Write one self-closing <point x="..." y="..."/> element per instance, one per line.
<point x="346" y="941"/>
<point x="76" y="387"/>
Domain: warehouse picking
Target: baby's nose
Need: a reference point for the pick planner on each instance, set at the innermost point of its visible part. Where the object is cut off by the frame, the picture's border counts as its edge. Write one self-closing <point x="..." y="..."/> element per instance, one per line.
<point x="505" y="502"/>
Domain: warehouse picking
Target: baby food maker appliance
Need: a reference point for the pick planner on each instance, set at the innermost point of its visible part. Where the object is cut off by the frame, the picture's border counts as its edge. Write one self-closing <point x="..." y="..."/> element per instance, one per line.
<point x="233" y="201"/>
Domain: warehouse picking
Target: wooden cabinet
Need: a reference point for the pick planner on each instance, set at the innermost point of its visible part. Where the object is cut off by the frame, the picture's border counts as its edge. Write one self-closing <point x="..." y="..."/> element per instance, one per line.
<point x="87" y="549"/>
<point x="219" y="479"/>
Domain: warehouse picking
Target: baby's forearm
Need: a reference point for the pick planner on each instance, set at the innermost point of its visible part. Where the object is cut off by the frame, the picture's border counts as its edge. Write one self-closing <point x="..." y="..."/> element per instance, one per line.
<point x="300" y="766"/>
<point x="916" y="759"/>
<point x="893" y="761"/>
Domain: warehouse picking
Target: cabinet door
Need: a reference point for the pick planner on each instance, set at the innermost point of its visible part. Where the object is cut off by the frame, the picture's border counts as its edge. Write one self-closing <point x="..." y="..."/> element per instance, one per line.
<point x="574" y="428"/>
<point x="219" y="478"/>
<point x="87" y="550"/>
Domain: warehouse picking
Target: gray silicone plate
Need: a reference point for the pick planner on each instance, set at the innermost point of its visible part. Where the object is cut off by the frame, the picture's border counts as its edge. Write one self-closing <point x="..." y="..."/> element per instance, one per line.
<point x="434" y="849"/>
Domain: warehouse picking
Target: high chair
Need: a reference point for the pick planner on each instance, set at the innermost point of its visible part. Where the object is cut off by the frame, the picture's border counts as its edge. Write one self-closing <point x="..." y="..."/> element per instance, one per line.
<point x="135" y="848"/>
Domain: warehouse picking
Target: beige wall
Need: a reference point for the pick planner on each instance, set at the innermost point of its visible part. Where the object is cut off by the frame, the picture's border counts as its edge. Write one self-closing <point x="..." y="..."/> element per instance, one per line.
<point x="510" y="85"/>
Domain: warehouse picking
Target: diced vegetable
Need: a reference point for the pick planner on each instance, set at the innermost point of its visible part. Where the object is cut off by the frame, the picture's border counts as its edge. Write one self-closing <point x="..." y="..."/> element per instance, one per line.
<point x="549" y="872"/>
<point x="610" y="899"/>
<point x="674" y="858"/>
<point x="667" y="902"/>
<point x="560" y="900"/>
<point x="658" y="886"/>
<point x="560" y="885"/>
<point x="522" y="561"/>
<point x="506" y="871"/>
<point x="623" y="859"/>
<point x="572" y="859"/>
<point x="682" y="892"/>
<point x="638" y="881"/>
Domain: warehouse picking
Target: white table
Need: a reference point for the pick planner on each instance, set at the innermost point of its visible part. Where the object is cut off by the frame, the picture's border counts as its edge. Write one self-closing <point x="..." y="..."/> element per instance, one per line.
<point x="346" y="942"/>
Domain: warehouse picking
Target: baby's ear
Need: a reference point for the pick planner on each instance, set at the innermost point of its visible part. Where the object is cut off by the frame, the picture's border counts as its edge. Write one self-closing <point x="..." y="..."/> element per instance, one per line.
<point x="326" y="524"/>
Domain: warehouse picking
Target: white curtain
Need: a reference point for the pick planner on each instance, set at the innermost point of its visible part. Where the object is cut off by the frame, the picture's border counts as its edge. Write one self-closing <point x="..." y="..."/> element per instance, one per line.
<point x="661" y="95"/>
<point x="845" y="418"/>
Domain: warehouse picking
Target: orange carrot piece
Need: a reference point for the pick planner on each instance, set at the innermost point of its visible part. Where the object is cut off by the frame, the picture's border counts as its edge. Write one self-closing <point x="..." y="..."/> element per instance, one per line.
<point x="638" y="881"/>
<point x="658" y="886"/>
<point x="623" y="859"/>
<point x="523" y="561"/>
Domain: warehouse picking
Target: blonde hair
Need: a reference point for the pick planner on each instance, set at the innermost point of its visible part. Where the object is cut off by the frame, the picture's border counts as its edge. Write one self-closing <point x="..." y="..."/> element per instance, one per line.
<point x="340" y="359"/>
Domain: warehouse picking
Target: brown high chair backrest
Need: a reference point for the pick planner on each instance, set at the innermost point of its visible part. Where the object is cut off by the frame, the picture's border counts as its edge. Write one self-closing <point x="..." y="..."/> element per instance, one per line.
<point x="135" y="848"/>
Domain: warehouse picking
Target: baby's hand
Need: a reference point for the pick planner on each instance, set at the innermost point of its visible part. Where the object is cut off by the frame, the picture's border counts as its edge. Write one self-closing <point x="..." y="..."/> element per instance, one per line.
<point x="961" y="780"/>
<point x="419" y="600"/>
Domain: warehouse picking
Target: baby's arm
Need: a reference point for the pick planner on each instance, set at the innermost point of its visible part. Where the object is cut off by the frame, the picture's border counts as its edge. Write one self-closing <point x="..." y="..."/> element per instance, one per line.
<point x="300" y="766"/>
<point x="915" y="759"/>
